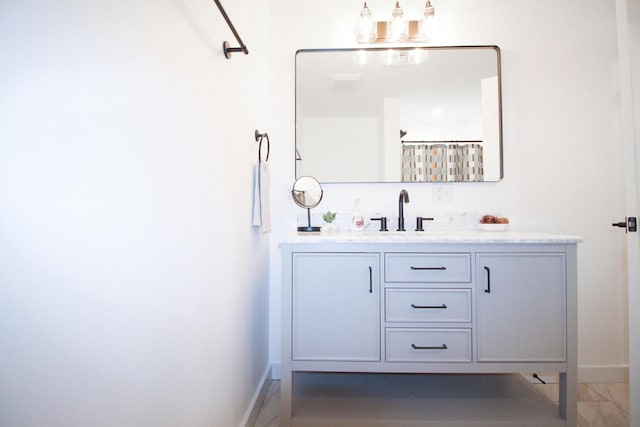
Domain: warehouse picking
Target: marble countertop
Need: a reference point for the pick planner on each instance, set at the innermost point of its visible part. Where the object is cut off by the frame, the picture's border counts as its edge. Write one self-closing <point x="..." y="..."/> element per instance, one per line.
<point x="466" y="236"/>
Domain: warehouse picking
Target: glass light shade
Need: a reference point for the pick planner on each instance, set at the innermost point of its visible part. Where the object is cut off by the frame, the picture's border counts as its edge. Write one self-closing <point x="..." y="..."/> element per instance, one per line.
<point x="427" y="24"/>
<point x="398" y="27"/>
<point x="367" y="29"/>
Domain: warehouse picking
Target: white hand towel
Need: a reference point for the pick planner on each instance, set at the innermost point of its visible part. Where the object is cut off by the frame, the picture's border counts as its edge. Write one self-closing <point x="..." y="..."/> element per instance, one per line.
<point x="261" y="214"/>
<point x="265" y="186"/>
<point x="255" y="209"/>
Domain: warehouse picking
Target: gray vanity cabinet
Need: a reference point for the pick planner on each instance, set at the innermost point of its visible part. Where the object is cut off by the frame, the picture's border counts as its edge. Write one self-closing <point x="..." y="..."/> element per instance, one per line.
<point x="335" y="307"/>
<point x="428" y="330"/>
<point x="521" y="303"/>
<point x="428" y="307"/>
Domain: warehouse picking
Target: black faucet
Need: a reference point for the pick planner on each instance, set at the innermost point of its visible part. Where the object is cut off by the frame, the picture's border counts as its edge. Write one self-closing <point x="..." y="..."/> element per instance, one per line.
<point x="404" y="198"/>
<point x="383" y="222"/>
<point x="419" y="224"/>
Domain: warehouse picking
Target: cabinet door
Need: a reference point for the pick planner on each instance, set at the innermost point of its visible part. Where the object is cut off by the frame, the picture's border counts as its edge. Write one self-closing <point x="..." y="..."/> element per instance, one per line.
<point x="336" y="306"/>
<point x="521" y="302"/>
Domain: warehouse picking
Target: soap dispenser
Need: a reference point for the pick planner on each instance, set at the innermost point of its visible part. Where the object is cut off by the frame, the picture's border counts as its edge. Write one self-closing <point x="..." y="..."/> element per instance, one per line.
<point x="357" y="220"/>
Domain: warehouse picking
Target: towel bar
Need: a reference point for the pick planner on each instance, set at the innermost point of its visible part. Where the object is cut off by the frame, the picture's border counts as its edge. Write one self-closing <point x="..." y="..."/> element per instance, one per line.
<point x="226" y="47"/>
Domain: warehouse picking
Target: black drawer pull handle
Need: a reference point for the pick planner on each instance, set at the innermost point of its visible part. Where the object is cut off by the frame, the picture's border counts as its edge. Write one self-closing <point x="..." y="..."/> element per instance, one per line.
<point x="417" y="347"/>
<point x="488" y="290"/>
<point x="370" y="280"/>
<point x="428" y="306"/>
<point x="428" y="268"/>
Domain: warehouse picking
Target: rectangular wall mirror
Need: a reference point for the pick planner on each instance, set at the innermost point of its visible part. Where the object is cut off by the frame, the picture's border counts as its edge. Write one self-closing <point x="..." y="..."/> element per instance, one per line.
<point x="428" y="114"/>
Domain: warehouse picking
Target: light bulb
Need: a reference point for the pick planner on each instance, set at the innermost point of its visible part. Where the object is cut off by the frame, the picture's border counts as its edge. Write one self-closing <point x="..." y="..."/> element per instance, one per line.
<point x="427" y="24"/>
<point x="367" y="29"/>
<point x="398" y="28"/>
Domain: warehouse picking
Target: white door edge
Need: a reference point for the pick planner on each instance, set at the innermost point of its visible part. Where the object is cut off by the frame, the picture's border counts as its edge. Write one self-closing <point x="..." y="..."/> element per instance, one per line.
<point x="628" y="24"/>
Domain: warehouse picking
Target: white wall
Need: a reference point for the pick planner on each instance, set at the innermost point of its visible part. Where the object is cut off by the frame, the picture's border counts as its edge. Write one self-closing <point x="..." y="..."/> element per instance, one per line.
<point x="133" y="290"/>
<point x="562" y="151"/>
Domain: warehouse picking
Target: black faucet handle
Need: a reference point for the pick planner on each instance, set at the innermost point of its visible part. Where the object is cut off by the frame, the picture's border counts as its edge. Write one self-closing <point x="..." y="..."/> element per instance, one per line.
<point x="419" y="220"/>
<point x="383" y="222"/>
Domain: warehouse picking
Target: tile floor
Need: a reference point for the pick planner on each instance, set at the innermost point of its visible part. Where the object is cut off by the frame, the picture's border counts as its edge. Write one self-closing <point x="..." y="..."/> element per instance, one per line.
<point x="599" y="404"/>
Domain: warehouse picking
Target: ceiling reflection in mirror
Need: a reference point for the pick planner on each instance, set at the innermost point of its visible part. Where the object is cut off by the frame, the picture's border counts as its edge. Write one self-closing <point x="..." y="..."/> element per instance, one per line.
<point x="399" y="115"/>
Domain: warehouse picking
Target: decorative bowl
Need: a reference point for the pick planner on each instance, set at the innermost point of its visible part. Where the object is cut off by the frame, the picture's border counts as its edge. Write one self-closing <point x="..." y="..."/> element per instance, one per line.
<point x="493" y="227"/>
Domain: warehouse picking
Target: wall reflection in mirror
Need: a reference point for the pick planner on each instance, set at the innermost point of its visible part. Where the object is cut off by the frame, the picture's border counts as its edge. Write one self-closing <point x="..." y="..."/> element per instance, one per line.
<point x="404" y="114"/>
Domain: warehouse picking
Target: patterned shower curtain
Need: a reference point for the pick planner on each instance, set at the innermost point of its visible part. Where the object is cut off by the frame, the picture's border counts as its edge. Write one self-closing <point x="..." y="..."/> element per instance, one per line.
<point x="442" y="162"/>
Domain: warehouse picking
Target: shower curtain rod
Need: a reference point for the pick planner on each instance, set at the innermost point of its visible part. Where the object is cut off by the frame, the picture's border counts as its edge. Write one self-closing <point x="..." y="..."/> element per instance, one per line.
<point x="228" y="50"/>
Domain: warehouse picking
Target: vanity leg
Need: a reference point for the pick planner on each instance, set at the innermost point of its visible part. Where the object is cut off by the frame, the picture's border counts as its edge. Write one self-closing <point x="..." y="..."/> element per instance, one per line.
<point x="568" y="381"/>
<point x="568" y="398"/>
<point x="286" y="387"/>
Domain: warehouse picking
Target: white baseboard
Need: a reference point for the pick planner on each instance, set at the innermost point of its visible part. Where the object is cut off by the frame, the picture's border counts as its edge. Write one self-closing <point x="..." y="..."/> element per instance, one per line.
<point x="251" y="415"/>
<point x="603" y="374"/>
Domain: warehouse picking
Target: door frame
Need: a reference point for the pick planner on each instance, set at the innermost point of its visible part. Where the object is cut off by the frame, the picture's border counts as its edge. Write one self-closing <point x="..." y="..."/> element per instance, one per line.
<point x="628" y="27"/>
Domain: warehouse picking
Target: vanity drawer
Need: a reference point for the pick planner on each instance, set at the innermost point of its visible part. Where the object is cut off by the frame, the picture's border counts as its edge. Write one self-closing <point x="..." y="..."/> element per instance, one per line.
<point x="428" y="305"/>
<point x="427" y="267"/>
<point x="428" y="345"/>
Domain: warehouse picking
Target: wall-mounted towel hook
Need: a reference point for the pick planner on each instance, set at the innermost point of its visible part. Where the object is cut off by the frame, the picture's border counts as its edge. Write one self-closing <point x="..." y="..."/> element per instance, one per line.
<point x="226" y="47"/>
<point x="259" y="138"/>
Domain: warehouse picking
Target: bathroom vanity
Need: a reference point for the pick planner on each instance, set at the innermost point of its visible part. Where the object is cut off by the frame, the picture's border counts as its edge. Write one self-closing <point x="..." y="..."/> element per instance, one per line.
<point x="427" y="329"/>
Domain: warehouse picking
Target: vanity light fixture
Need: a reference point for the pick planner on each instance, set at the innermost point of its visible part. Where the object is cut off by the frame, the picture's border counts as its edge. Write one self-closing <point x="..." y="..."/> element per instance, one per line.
<point x="398" y="29"/>
<point x="403" y="57"/>
<point x="367" y="30"/>
<point x="426" y="27"/>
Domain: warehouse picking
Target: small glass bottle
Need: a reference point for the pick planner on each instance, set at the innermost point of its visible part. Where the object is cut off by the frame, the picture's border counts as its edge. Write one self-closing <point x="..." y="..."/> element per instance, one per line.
<point x="357" y="220"/>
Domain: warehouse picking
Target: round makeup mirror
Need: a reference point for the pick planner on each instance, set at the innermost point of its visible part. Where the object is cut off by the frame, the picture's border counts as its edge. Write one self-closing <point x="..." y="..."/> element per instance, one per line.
<point x="307" y="193"/>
